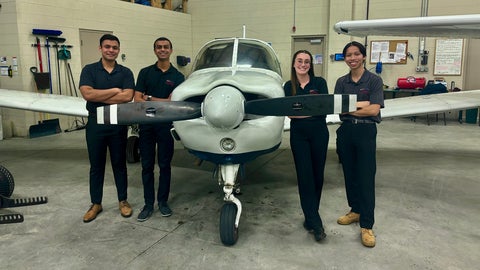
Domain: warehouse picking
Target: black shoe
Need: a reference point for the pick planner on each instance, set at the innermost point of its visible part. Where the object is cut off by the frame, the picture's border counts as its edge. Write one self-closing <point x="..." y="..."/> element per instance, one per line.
<point x="146" y="213"/>
<point x="319" y="234"/>
<point x="164" y="209"/>
<point x="307" y="227"/>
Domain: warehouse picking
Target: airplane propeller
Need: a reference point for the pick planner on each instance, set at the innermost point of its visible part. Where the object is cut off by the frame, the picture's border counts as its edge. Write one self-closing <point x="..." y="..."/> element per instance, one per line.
<point x="148" y="112"/>
<point x="224" y="107"/>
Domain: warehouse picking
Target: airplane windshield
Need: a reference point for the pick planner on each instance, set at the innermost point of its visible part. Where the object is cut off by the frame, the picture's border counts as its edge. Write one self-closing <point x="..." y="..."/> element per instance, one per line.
<point x="250" y="54"/>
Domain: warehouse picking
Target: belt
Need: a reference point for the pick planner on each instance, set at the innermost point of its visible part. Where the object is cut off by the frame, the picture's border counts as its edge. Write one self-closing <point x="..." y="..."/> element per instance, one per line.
<point x="358" y="121"/>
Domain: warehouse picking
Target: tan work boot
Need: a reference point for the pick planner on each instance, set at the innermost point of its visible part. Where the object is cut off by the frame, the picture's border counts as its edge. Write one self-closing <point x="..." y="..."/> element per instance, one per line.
<point x="125" y="209"/>
<point x="92" y="212"/>
<point x="368" y="238"/>
<point x="348" y="218"/>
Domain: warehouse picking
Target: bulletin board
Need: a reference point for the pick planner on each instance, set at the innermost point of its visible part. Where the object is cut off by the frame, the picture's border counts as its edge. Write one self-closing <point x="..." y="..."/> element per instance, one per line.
<point x="389" y="51"/>
<point x="448" y="57"/>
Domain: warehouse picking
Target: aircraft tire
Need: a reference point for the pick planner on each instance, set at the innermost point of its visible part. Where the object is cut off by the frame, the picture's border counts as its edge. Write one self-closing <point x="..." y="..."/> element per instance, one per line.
<point x="133" y="153"/>
<point x="6" y="182"/>
<point x="228" y="231"/>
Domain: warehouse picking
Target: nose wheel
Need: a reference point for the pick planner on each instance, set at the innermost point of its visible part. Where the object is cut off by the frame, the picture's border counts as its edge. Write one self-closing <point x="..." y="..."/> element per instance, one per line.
<point x="228" y="228"/>
<point x="232" y="209"/>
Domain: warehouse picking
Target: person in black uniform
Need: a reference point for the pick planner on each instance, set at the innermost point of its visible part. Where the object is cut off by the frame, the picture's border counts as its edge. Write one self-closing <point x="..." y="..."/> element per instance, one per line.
<point x="103" y="83"/>
<point x="356" y="140"/>
<point x="156" y="83"/>
<point x="309" y="141"/>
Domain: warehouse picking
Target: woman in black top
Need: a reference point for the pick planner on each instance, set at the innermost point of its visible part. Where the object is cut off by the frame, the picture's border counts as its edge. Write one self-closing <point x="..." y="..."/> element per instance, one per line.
<point x="309" y="141"/>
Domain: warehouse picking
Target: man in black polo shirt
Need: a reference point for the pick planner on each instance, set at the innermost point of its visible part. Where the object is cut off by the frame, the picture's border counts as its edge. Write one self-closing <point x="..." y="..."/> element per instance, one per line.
<point x="103" y="83"/>
<point x="156" y="83"/>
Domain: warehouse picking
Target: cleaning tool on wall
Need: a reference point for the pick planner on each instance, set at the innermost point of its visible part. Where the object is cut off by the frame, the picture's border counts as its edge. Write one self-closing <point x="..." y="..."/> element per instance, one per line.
<point x="57" y="40"/>
<point x="39" y="51"/>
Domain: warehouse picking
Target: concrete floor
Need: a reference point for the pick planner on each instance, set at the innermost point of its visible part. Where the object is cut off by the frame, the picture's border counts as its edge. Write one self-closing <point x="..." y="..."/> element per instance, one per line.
<point x="427" y="212"/>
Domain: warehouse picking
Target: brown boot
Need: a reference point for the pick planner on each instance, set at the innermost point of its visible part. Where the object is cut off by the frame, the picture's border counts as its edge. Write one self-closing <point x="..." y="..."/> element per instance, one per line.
<point x="92" y="213"/>
<point x="125" y="209"/>
<point x="368" y="238"/>
<point x="348" y="218"/>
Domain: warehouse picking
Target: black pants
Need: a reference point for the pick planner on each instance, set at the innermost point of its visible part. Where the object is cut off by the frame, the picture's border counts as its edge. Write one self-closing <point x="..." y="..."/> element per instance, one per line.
<point x="99" y="138"/>
<point x="156" y="137"/>
<point x="309" y="143"/>
<point x="356" y="147"/>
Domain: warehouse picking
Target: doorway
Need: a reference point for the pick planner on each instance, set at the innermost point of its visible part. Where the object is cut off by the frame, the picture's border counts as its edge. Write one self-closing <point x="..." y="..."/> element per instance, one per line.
<point x="315" y="45"/>
<point x="89" y="43"/>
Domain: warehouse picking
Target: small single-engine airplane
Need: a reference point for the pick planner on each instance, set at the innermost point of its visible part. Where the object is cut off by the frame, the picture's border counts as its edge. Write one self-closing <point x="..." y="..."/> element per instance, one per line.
<point x="230" y="109"/>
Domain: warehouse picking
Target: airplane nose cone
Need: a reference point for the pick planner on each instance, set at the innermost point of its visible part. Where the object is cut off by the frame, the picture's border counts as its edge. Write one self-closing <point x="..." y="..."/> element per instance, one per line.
<point x="223" y="107"/>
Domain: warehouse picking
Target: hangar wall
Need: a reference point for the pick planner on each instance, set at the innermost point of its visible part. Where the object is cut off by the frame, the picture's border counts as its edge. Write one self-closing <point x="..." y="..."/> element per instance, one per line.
<point x="274" y="21"/>
<point x="137" y="26"/>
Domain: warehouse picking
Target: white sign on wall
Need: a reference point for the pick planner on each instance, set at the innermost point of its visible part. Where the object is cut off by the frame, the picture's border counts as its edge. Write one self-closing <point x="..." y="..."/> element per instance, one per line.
<point x="448" y="57"/>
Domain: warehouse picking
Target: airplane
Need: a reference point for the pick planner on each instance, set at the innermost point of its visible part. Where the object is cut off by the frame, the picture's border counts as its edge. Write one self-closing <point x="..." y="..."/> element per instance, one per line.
<point x="230" y="109"/>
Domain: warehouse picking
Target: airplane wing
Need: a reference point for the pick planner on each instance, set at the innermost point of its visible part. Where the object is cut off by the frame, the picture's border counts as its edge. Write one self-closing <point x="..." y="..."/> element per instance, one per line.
<point x="423" y="104"/>
<point x="432" y="26"/>
<point x="406" y="106"/>
<point x="48" y="103"/>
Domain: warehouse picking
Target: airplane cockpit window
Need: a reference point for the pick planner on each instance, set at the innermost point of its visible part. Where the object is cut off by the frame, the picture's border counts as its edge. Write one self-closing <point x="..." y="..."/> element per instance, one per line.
<point x="219" y="55"/>
<point x="250" y="54"/>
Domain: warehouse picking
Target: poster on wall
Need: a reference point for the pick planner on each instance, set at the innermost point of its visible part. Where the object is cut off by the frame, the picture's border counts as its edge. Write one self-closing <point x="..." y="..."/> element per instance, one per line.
<point x="448" y="57"/>
<point x="389" y="51"/>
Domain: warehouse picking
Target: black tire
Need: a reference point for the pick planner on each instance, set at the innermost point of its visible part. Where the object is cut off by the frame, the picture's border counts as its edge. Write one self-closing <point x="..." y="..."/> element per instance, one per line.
<point x="228" y="231"/>
<point x="6" y="182"/>
<point x="133" y="152"/>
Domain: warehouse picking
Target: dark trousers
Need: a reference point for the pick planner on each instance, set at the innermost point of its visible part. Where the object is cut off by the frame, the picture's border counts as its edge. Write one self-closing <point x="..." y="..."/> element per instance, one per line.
<point x="356" y="147"/>
<point x="309" y="143"/>
<point x="99" y="138"/>
<point x="156" y="137"/>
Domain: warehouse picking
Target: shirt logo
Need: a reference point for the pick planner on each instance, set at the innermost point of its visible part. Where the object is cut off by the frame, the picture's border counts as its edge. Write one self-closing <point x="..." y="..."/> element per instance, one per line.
<point x="169" y="83"/>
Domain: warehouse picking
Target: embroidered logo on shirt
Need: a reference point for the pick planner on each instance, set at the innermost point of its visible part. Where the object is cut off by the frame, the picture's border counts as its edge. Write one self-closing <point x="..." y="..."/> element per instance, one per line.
<point x="363" y="95"/>
<point x="169" y="83"/>
<point x="313" y="92"/>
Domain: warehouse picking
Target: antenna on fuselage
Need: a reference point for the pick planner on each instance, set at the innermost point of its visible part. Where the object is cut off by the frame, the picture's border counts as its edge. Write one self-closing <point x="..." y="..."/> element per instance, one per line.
<point x="244" y="31"/>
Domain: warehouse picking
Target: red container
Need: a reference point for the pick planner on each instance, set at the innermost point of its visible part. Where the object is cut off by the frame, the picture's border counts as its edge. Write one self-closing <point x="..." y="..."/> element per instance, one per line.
<point x="411" y="82"/>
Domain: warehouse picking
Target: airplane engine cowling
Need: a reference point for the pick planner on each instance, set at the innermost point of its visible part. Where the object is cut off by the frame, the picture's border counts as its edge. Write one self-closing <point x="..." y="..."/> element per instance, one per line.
<point x="223" y="107"/>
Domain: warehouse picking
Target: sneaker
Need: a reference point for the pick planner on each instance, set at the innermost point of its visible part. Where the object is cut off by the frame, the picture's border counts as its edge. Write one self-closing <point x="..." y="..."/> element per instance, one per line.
<point x="146" y="213"/>
<point x="348" y="218"/>
<point x="92" y="212"/>
<point x="125" y="209"/>
<point x="164" y="209"/>
<point x="368" y="238"/>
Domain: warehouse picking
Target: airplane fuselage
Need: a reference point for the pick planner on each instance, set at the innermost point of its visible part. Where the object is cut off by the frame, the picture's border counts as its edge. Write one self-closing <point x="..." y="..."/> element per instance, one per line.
<point x="225" y="134"/>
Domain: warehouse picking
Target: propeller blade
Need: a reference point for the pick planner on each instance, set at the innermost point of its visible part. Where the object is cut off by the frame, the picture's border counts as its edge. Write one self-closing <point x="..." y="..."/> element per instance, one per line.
<point x="147" y="112"/>
<point x="303" y="105"/>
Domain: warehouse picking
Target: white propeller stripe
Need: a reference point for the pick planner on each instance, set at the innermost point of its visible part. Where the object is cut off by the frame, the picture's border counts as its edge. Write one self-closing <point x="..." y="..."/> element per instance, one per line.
<point x="113" y="114"/>
<point x="337" y="103"/>
<point x="100" y="115"/>
<point x="352" y="103"/>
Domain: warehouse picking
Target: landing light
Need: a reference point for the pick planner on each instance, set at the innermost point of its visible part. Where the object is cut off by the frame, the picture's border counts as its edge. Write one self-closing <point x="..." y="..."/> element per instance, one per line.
<point x="227" y="144"/>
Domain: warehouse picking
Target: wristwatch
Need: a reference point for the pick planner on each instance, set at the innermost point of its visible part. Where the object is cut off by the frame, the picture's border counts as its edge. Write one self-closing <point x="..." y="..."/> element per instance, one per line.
<point x="149" y="98"/>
